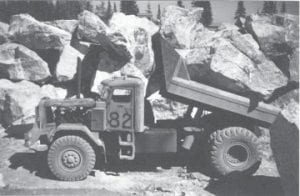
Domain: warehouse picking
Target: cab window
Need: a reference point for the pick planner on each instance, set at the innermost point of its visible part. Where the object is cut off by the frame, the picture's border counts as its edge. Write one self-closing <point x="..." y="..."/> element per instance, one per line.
<point x="122" y="95"/>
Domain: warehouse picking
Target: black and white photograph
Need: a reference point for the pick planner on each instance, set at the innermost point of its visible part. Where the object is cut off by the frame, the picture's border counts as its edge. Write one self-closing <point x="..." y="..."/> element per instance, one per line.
<point x="149" y="98"/>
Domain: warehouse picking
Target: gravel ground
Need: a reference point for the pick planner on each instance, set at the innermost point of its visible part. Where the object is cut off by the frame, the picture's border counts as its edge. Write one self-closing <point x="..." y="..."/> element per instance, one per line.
<point x="24" y="172"/>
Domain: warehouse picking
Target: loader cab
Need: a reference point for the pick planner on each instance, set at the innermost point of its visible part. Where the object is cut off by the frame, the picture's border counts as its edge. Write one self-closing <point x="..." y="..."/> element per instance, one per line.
<point x="125" y="104"/>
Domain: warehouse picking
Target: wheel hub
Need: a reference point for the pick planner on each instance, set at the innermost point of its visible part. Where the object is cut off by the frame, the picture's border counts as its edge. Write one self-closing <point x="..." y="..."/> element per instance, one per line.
<point x="237" y="155"/>
<point x="71" y="159"/>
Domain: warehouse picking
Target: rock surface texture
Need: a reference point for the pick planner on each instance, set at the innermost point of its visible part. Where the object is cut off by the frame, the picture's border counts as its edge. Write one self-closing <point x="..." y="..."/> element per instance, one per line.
<point x="90" y="26"/>
<point x="3" y="32"/>
<point x="18" y="101"/>
<point x="225" y="59"/>
<point x="33" y="34"/>
<point x="20" y="63"/>
<point x="137" y="32"/>
<point x="66" y="67"/>
<point x="66" y="25"/>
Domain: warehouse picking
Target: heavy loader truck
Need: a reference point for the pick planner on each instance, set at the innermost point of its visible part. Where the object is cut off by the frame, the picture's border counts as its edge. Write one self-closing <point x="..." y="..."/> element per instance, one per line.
<point x="77" y="131"/>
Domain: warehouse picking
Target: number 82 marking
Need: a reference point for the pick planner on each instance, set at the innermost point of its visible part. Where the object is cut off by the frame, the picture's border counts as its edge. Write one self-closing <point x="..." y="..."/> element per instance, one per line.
<point x="115" y="122"/>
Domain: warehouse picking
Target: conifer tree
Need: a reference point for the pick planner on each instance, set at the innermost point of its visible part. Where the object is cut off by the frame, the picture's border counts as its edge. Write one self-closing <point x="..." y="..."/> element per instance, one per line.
<point x="129" y="7"/>
<point x="269" y="7"/>
<point x="239" y="14"/>
<point x="241" y="11"/>
<point x="180" y="4"/>
<point x="115" y="7"/>
<point x="109" y="11"/>
<point x="148" y="10"/>
<point x="158" y="12"/>
<point x="283" y="7"/>
<point x="206" y="17"/>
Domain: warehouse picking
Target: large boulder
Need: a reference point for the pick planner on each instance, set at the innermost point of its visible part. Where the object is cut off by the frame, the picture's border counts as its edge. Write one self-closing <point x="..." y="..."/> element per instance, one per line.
<point x="66" y="25"/>
<point x="90" y="26"/>
<point x="270" y="37"/>
<point x="224" y="58"/>
<point x="262" y="78"/>
<point x="137" y="32"/>
<point x="66" y="67"/>
<point x="3" y="32"/>
<point x="20" y="63"/>
<point x="182" y="28"/>
<point x="33" y="34"/>
<point x="18" y="101"/>
<point x="277" y="36"/>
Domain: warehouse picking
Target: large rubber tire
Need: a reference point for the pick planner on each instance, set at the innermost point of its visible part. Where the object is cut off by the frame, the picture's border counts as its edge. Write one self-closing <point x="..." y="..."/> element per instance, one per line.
<point x="71" y="158"/>
<point x="234" y="150"/>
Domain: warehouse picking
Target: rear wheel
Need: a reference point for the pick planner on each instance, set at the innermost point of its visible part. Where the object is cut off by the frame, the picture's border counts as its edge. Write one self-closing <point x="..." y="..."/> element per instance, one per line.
<point x="71" y="158"/>
<point x="234" y="149"/>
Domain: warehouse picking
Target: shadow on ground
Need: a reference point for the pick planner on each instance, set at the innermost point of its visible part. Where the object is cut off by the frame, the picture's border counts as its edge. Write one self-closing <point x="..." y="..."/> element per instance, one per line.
<point x="34" y="162"/>
<point x="18" y="131"/>
<point x="247" y="186"/>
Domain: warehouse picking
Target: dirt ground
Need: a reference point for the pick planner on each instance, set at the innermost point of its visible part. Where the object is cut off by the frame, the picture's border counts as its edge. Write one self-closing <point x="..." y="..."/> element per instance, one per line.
<point x="25" y="172"/>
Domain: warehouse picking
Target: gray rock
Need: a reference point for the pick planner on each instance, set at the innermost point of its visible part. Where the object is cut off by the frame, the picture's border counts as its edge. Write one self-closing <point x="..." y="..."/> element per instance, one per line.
<point x="137" y="33"/>
<point x="20" y="63"/>
<point x="66" y="25"/>
<point x="3" y="32"/>
<point x="90" y="25"/>
<point x="182" y="23"/>
<point x="263" y="78"/>
<point x="66" y="67"/>
<point x="33" y="34"/>
<point x="18" y="101"/>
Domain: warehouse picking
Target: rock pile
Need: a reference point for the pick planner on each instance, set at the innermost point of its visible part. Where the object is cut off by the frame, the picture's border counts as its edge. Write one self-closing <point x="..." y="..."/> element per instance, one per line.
<point x="37" y="57"/>
<point x="245" y="64"/>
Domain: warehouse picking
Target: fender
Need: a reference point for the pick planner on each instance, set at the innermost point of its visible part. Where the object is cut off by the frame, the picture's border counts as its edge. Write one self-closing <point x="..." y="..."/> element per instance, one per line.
<point x="78" y="128"/>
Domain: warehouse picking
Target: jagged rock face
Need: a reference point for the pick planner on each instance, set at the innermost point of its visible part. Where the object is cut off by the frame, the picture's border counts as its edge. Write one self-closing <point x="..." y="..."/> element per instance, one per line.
<point x="291" y="25"/>
<point x="90" y="25"/>
<point x="137" y="32"/>
<point x="18" y="101"/>
<point x="278" y="37"/>
<point x="33" y="34"/>
<point x="182" y="26"/>
<point x="232" y="61"/>
<point x="3" y="32"/>
<point x="66" y="25"/>
<point x="269" y="36"/>
<point x="263" y="78"/>
<point x="20" y="63"/>
<point x="224" y="59"/>
<point x="66" y="67"/>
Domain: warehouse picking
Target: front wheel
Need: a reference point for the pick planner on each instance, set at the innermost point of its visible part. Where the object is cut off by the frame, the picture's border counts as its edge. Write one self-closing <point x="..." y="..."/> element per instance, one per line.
<point x="234" y="149"/>
<point x="71" y="158"/>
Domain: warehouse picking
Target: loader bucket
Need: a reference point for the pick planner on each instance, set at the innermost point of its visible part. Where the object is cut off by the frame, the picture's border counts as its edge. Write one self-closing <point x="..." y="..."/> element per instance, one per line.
<point x="285" y="147"/>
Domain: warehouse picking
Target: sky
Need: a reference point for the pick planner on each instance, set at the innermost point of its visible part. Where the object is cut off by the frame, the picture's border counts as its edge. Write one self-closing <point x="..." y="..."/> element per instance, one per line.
<point x="223" y="11"/>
